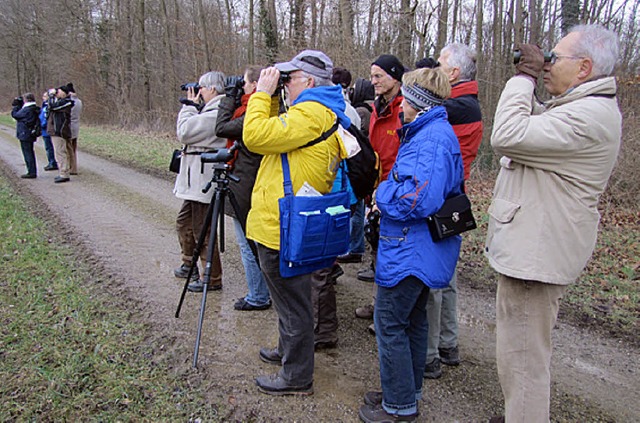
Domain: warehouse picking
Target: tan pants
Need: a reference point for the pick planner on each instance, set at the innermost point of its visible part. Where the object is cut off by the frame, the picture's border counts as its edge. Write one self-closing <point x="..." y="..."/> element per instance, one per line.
<point x="526" y="312"/>
<point x="62" y="148"/>
<point x="73" y="157"/>
<point x="191" y="218"/>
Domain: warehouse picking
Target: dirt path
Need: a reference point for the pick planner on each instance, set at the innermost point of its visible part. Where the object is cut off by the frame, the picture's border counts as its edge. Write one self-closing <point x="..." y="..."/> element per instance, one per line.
<point x="123" y="221"/>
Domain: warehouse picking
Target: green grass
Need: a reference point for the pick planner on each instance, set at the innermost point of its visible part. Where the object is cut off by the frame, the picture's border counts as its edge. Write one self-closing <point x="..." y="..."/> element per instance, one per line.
<point x="6" y="119"/>
<point x="68" y="350"/>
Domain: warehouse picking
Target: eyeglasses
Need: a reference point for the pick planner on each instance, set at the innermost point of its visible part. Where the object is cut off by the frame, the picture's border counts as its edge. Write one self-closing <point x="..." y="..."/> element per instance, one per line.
<point x="555" y="57"/>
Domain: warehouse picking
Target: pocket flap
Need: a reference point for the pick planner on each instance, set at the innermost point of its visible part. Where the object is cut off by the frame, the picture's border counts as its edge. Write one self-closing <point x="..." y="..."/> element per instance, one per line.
<point x="502" y="210"/>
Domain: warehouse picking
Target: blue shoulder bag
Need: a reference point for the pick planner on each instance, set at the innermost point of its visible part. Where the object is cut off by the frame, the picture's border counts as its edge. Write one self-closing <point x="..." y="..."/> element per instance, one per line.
<point x="313" y="230"/>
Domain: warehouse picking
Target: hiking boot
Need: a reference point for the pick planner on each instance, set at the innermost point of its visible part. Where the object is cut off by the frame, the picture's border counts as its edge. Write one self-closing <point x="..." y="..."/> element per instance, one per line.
<point x="244" y="305"/>
<point x="367" y="275"/>
<point x="375" y="414"/>
<point x="350" y="258"/>
<point x="60" y="179"/>
<point x="324" y="345"/>
<point x="365" y="312"/>
<point x="198" y="286"/>
<point x="432" y="370"/>
<point x="449" y="356"/>
<point x="28" y="176"/>
<point x="275" y="385"/>
<point x="373" y="398"/>
<point x="50" y="167"/>
<point x="183" y="271"/>
<point x="271" y="356"/>
<point x="336" y="272"/>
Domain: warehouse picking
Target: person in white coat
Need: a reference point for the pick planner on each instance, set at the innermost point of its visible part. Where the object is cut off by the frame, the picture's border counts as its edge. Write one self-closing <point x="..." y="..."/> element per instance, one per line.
<point x="196" y="129"/>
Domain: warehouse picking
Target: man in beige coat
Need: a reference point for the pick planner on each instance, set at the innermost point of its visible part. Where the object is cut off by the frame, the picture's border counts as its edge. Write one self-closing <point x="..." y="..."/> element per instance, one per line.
<point x="556" y="160"/>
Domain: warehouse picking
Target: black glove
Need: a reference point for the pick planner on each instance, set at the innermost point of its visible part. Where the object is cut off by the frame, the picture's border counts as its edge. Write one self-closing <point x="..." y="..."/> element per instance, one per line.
<point x="531" y="60"/>
<point x="17" y="102"/>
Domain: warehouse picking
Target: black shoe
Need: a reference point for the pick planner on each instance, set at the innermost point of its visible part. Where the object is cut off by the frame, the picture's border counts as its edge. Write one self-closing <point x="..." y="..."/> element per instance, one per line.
<point x="275" y="385"/>
<point x="28" y="176"/>
<point x="271" y="356"/>
<point x="336" y="272"/>
<point x="432" y="370"/>
<point x="449" y="356"/>
<point x="198" y="286"/>
<point x="60" y="179"/>
<point x="377" y="414"/>
<point x="243" y="305"/>
<point x="325" y="345"/>
<point x="373" y="398"/>
<point x="183" y="271"/>
<point x="350" y="258"/>
<point x="49" y="167"/>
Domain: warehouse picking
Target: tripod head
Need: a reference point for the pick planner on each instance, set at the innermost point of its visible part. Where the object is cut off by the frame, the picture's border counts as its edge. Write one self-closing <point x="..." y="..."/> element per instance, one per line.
<point x="221" y="167"/>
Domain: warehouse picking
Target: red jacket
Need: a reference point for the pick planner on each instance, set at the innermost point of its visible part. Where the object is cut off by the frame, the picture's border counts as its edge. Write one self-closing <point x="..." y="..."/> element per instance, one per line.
<point x="463" y="109"/>
<point x="382" y="132"/>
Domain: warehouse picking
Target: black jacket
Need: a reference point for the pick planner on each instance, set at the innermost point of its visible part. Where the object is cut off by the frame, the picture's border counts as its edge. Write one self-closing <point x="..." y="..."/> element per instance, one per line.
<point x="59" y="122"/>
<point x="27" y="117"/>
<point x="246" y="164"/>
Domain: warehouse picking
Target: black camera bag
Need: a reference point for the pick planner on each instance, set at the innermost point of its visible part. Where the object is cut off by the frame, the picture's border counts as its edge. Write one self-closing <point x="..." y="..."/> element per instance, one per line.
<point x="454" y="217"/>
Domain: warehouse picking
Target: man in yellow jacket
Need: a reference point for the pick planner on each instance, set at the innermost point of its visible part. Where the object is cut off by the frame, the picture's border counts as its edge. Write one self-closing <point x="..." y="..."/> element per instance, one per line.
<point x="315" y="105"/>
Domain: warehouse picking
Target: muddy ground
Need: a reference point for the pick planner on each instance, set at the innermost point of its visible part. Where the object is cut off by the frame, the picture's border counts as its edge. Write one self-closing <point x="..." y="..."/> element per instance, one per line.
<point x="121" y="222"/>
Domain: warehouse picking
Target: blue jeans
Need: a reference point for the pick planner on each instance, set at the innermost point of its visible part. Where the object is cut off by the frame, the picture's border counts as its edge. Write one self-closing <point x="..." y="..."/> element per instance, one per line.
<point x="29" y="156"/>
<point x="258" y="291"/>
<point x="48" y="146"/>
<point x="356" y="245"/>
<point x="401" y="331"/>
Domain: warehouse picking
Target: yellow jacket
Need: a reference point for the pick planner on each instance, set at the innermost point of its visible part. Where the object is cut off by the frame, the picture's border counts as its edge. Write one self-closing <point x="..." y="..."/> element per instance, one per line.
<point x="268" y="134"/>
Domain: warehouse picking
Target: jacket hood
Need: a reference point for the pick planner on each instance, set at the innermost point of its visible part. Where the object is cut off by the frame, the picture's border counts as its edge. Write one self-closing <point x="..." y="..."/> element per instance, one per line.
<point x="330" y="97"/>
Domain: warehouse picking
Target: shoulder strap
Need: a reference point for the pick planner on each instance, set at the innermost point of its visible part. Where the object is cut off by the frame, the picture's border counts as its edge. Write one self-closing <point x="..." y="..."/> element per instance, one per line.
<point x="286" y="176"/>
<point x="326" y="134"/>
<point x="602" y="95"/>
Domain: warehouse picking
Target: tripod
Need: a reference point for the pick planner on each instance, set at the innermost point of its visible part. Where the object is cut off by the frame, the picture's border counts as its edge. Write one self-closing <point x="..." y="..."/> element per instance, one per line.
<point x="213" y="221"/>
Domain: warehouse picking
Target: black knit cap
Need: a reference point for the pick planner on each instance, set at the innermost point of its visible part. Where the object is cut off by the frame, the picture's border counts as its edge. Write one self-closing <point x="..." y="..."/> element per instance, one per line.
<point x="391" y="65"/>
<point x="71" y="88"/>
<point x="341" y="76"/>
<point x="64" y="88"/>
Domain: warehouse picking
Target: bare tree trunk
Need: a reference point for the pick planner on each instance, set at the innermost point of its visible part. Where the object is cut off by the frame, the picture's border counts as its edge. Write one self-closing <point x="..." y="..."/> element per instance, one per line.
<point x="250" y="47"/>
<point x="205" y="35"/>
<point x="443" y="21"/>
<point x="345" y="17"/>
<point x="297" y="17"/>
<point x="405" y="23"/>
<point x="146" y="77"/>
<point x="570" y="13"/>
<point x="372" y="12"/>
<point x="269" y="28"/>
<point x="454" y="23"/>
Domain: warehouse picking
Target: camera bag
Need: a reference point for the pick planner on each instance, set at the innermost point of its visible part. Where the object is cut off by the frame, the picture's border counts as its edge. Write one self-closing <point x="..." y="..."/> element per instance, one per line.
<point x="454" y="217"/>
<point x="314" y="230"/>
<point x="174" y="164"/>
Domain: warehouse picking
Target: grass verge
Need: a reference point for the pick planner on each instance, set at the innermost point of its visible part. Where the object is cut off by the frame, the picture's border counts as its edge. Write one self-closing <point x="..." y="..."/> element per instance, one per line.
<point x="69" y="350"/>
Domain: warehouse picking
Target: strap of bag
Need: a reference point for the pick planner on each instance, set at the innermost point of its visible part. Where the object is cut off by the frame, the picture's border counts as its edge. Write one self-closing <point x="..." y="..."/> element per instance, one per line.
<point x="326" y="134"/>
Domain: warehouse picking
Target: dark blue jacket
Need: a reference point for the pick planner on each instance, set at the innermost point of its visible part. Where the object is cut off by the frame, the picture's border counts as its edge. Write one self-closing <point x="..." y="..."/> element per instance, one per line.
<point x="427" y="170"/>
<point x="26" y="118"/>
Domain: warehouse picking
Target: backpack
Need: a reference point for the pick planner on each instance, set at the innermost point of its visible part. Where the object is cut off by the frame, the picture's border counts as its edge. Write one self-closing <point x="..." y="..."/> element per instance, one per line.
<point x="363" y="168"/>
<point x="35" y="128"/>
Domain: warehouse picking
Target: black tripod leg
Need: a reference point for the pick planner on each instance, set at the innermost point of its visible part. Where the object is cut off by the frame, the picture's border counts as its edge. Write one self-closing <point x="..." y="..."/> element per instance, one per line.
<point x="207" y="270"/>
<point x="196" y="256"/>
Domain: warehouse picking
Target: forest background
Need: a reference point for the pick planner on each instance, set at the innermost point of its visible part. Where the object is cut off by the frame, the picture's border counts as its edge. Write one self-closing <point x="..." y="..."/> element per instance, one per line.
<point x="128" y="58"/>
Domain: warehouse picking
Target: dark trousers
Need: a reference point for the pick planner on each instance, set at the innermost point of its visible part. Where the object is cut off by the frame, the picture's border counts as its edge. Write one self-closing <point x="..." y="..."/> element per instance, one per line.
<point x="48" y="146"/>
<point x="292" y="300"/>
<point x="29" y="156"/>
<point x="323" y="294"/>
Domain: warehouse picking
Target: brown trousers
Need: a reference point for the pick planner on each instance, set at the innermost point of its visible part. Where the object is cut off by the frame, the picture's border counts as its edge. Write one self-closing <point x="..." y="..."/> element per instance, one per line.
<point x="191" y="219"/>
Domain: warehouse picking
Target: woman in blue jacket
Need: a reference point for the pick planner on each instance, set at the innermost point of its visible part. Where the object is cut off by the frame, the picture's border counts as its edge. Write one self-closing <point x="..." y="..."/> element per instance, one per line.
<point x="25" y="111"/>
<point x="427" y="170"/>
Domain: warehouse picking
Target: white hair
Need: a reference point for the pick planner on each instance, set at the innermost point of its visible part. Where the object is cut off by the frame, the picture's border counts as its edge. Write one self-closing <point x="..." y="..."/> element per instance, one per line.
<point x="319" y="82"/>
<point x="601" y="45"/>
<point x="463" y="58"/>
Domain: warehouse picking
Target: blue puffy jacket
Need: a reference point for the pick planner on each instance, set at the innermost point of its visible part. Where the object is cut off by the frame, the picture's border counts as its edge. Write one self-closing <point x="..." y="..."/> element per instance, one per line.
<point x="428" y="169"/>
<point x="44" y="115"/>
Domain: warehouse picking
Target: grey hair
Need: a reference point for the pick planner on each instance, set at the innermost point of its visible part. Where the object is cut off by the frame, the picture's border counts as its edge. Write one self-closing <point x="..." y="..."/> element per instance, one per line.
<point x="213" y="79"/>
<point x="598" y="43"/>
<point x="319" y="82"/>
<point x="463" y="58"/>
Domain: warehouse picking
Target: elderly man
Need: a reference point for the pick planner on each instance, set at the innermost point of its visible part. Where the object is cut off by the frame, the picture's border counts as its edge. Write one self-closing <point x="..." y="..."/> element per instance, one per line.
<point x="556" y="160"/>
<point x="59" y="127"/>
<point x="458" y="62"/>
<point x="315" y="104"/>
<point x="196" y="129"/>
